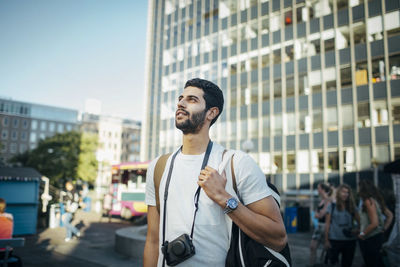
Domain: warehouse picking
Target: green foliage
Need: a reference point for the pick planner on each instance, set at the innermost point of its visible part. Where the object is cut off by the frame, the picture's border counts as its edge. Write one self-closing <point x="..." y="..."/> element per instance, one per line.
<point x="69" y="155"/>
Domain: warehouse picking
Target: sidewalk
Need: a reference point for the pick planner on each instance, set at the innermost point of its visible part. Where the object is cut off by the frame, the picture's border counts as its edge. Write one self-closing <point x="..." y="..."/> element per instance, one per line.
<point x="96" y="246"/>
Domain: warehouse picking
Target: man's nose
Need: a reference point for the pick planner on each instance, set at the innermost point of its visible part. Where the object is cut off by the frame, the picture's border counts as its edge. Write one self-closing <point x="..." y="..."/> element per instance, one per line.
<point x="181" y="103"/>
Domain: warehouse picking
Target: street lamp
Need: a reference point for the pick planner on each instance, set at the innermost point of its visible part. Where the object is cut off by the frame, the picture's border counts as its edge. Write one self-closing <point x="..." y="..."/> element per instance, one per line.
<point x="247" y="146"/>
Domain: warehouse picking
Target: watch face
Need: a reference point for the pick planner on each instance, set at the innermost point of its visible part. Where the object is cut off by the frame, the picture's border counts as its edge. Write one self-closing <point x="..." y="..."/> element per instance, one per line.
<point x="232" y="203"/>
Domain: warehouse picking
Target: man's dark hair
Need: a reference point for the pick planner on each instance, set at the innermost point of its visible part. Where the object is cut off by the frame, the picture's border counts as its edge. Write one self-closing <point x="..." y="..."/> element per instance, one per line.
<point x="212" y="94"/>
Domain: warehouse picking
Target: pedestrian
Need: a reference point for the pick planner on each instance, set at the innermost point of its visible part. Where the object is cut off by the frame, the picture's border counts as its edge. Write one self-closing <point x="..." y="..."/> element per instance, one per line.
<point x="107" y="205"/>
<point x="6" y="232"/>
<point x="324" y="193"/>
<point x="198" y="108"/>
<point x="375" y="218"/>
<point x="71" y="205"/>
<point x="340" y="233"/>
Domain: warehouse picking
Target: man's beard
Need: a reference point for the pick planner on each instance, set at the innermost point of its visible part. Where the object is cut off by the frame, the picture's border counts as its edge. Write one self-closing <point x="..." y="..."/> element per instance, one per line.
<point x="193" y="124"/>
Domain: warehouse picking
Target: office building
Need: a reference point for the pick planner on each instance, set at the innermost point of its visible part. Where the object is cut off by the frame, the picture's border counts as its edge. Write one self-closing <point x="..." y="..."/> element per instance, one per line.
<point x="23" y="125"/>
<point x="314" y="84"/>
<point x="118" y="141"/>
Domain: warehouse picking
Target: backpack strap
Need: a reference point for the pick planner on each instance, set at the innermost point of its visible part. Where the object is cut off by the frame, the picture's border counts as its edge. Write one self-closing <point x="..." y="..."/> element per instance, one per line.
<point x="158" y="172"/>
<point x="234" y="177"/>
<point x="233" y="173"/>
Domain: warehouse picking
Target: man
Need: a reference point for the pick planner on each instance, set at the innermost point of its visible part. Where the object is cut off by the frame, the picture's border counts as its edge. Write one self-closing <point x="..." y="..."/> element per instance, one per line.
<point x="71" y="206"/>
<point x="6" y="231"/>
<point x="198" y="108"/>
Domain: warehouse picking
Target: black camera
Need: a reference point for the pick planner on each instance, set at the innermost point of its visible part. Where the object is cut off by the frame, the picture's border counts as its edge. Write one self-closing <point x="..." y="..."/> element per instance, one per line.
<point x="178" y="250"/>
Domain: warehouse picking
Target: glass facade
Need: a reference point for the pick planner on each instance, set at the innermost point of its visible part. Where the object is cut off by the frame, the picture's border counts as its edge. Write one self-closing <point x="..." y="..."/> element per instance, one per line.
<point x="314" y="84"/>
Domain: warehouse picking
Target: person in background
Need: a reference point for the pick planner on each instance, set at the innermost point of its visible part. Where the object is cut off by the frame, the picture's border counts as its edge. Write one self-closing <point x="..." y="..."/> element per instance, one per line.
<point x="340" y="236"/>
<point x="375" y="218"/>
<point x="71" y="202"/>
<point x="107" y="205"/>
<point x="324" y="192"/>
<point x="6" y="231"/>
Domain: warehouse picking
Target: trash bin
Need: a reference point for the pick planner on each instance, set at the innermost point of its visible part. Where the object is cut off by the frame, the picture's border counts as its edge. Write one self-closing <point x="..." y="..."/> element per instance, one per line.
<point x="291" y="219"/>
<point x="88" y="204"/>
<point x="303" y="221"/>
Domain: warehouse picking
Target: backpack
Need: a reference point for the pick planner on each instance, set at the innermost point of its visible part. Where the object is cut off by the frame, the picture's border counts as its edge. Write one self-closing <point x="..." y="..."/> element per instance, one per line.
<point x="243" y="250"/>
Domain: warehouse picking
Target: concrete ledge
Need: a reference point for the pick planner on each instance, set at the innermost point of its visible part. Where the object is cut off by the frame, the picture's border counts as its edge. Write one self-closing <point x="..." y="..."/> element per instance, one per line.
<point x="130" y="241"/>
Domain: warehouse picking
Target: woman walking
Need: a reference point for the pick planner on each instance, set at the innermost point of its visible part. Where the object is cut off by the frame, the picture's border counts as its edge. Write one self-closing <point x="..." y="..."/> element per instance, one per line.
<point x="375" y="219"/>
<point x="324" y="192"/>
<point x="340" y="236"/>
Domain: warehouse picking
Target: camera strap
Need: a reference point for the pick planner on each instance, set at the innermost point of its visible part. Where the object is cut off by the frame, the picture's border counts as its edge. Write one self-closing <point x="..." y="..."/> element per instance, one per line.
<point x="196" y="195"/>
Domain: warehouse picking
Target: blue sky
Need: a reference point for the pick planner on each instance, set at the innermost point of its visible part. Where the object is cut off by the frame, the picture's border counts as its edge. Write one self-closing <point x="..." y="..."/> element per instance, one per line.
<point x="61" y="52"/>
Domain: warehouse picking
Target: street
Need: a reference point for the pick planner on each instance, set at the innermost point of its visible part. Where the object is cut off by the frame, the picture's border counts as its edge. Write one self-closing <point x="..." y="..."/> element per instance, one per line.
<point x="96" y="246"/>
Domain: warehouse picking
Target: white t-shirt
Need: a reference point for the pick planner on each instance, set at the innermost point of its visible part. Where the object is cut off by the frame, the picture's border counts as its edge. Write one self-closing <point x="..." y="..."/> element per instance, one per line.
<point x="212" y="227"/>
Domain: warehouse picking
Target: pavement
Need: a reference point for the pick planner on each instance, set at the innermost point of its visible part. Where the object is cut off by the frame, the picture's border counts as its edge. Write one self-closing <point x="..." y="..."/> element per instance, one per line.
<point x="96" y="246"/>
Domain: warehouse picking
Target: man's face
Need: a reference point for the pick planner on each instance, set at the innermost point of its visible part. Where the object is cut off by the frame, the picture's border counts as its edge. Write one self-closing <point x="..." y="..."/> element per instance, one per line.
<point x="191" y="110"/>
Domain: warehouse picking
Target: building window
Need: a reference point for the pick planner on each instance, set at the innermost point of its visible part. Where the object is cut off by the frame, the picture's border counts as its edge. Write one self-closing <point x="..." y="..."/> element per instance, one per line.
<point x="34" y="124"/>
<point x="378" y="70"/>
<point x="277" y="167"/>
<point x="305" y="121"/>
<point x="23" y="136"/>
<point x="349" y="159"/>
<point x="345" y="77"/>
<point x="69" y="128"/>
<point x="303" y="162"/>
<point x="25" y="124"/>
<point x="60" y="128"/>
<point x="14" y="135"/>
<point x="382" y="153"/>
<point x="22" y="148"/>
<point x="4" y="134"/>
<point x="331" y="118"/>
<point x="15" y="123"/>
<point x="43" y="126"/>
<point x="363" y="115"/>
<point x="394" y="65"/>
<point x="52" y="127"/>
<point x="291" y="162"/>
<point x="13" y="148"/>
<point x="317" y="159"/>
<point x="396" y="110"/>
<point x="317" y="119"/>
<point x="365" y="157"/>
<point x="347" y="117"/>
<point x="333" y="161"/>
<point x="5" y="121"/>
<point x="32" y="137"/>
<point x="380" y="113"/>
<point x="291" y="123"/>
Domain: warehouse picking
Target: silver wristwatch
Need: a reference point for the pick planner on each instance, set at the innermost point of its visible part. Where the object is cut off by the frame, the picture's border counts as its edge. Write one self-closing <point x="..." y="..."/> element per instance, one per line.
<point x="231" y="204"/>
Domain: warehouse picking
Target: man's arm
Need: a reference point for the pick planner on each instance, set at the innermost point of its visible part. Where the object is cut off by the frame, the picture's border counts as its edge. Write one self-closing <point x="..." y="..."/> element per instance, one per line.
<point x="150" y="256"/>
<point x="261" y="220"/>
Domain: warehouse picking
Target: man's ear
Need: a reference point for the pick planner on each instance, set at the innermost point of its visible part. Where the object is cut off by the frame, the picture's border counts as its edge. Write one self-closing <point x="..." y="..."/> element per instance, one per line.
<point x="212" y="113"/>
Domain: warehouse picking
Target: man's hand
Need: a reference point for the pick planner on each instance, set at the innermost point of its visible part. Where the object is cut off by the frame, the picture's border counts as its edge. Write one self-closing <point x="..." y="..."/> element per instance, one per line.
<point x="213" y="185"/>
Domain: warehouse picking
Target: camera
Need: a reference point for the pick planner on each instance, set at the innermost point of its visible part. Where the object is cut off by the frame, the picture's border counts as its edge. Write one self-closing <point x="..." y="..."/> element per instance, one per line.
<point x="178" y="250"/>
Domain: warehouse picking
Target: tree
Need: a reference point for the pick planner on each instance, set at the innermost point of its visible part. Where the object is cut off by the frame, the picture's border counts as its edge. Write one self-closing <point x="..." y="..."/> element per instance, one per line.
<point x="69" y="155"/>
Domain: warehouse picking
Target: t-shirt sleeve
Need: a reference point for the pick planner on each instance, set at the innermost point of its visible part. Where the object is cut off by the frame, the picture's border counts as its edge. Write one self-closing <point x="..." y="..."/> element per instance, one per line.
<point x="251" y="181"/>
<point x="150" y="198"/>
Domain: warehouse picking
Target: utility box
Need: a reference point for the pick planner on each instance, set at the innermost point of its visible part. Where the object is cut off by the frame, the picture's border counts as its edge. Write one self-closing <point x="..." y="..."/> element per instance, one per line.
<point x="19" y="187"/>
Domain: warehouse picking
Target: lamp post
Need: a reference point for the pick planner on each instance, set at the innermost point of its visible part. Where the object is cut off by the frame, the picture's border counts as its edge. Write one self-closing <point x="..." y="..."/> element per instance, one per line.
<point x="247" y="146"/>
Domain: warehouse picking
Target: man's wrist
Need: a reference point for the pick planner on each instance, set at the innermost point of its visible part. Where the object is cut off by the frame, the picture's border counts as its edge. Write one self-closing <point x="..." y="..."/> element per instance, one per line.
<point x="222" y="199"/>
